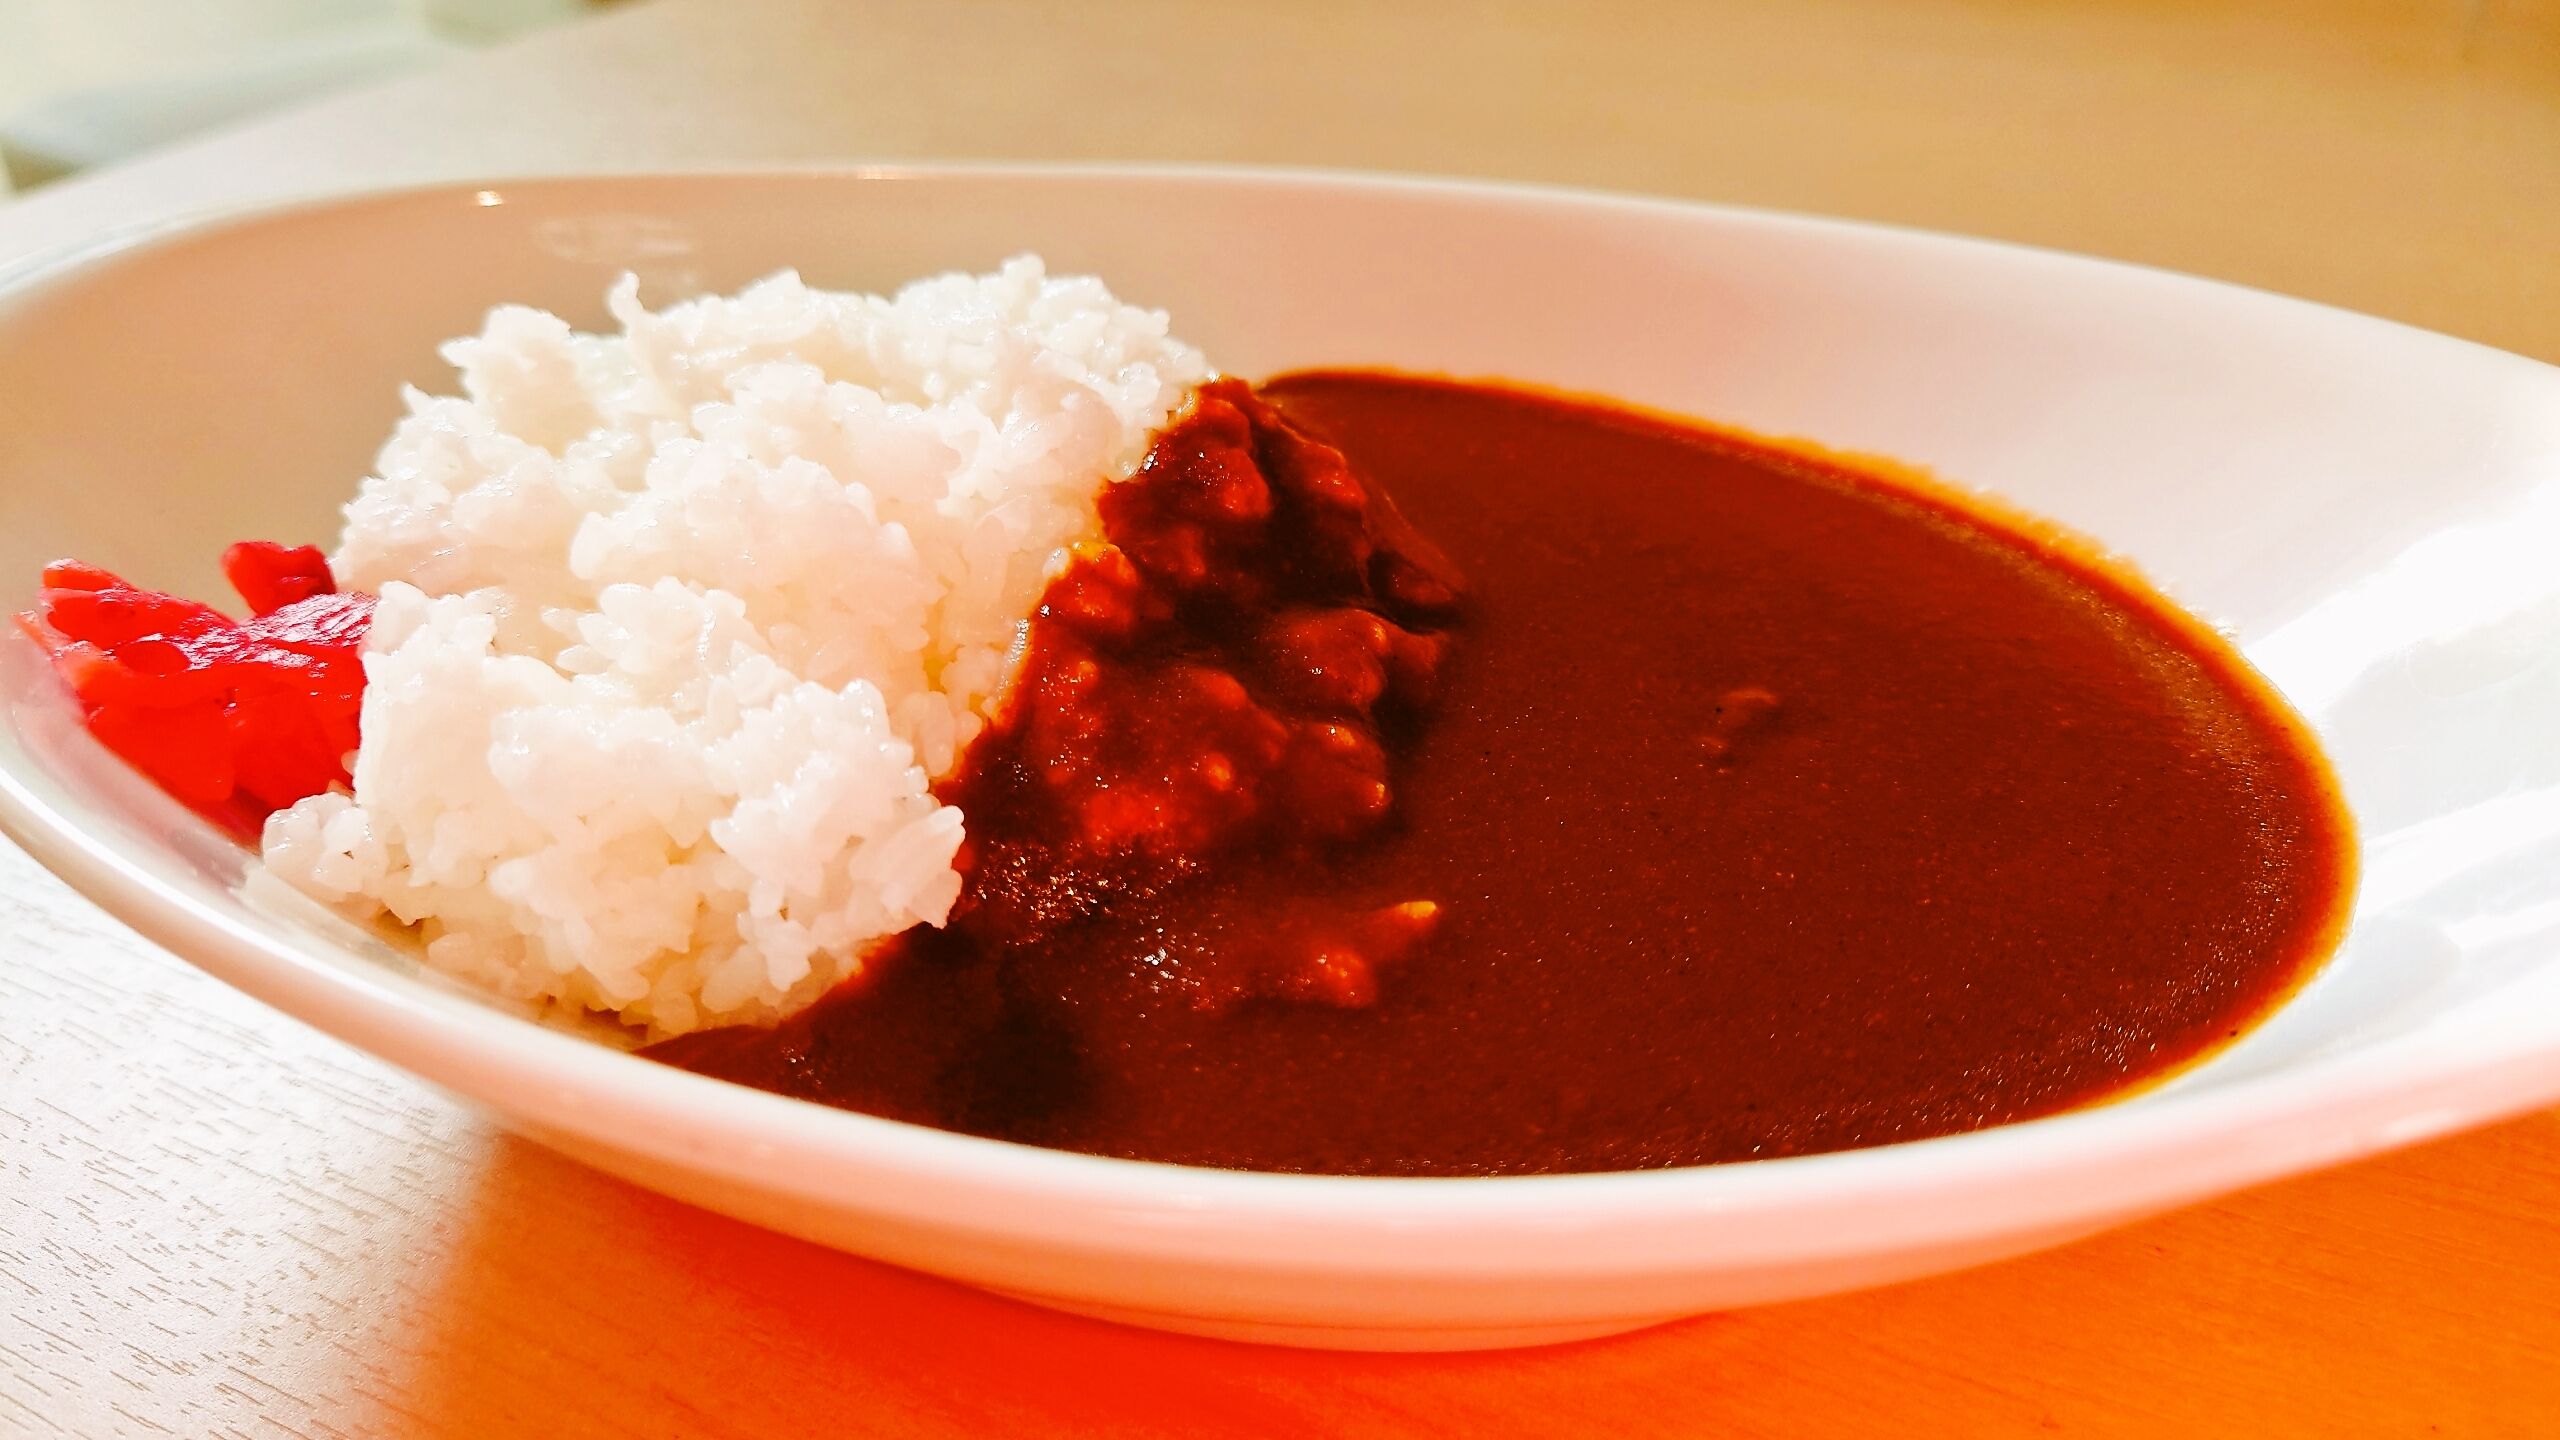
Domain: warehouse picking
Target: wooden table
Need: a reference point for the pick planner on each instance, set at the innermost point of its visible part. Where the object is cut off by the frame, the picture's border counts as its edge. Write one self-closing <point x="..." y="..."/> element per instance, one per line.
<point x="215" y="1223"/>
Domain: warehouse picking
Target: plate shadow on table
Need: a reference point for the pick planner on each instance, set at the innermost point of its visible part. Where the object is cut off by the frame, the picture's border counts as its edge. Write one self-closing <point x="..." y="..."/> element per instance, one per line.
<point x="2316" y="1307"/>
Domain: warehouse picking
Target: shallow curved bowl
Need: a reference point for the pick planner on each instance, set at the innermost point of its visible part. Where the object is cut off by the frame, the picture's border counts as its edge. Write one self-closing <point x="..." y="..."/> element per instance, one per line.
<point x="2373" y="511"/>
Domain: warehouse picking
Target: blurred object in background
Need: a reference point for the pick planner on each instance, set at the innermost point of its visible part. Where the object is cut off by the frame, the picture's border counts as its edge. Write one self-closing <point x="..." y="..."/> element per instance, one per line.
<point x="84" y="82"/>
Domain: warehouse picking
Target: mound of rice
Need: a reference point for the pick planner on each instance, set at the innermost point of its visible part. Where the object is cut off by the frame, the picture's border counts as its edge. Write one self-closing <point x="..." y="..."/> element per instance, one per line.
<point x="678" y="625"/>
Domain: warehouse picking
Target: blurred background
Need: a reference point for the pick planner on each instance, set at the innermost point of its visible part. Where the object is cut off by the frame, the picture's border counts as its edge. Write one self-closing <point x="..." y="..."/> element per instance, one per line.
<point x="84" y="82"/>
<point x="2400" y="157"/>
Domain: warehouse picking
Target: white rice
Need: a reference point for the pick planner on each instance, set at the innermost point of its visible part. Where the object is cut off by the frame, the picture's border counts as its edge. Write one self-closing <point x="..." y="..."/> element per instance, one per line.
<point x="678" y="625"/>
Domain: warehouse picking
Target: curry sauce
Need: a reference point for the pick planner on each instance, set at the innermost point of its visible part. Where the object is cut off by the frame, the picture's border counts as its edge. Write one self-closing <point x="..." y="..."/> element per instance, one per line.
<point x="1680" y="799"/>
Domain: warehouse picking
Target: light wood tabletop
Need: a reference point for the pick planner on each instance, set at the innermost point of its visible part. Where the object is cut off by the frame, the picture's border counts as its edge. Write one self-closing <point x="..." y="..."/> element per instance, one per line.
<point x="214" y="1222"/>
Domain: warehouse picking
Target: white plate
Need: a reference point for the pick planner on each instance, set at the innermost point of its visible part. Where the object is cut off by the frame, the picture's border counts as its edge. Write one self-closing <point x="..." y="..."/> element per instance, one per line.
<point x="2373" y="511"/>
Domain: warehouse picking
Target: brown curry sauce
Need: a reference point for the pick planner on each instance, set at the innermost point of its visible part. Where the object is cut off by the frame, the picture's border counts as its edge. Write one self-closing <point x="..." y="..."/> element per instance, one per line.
<point x="1736" y="803"/>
